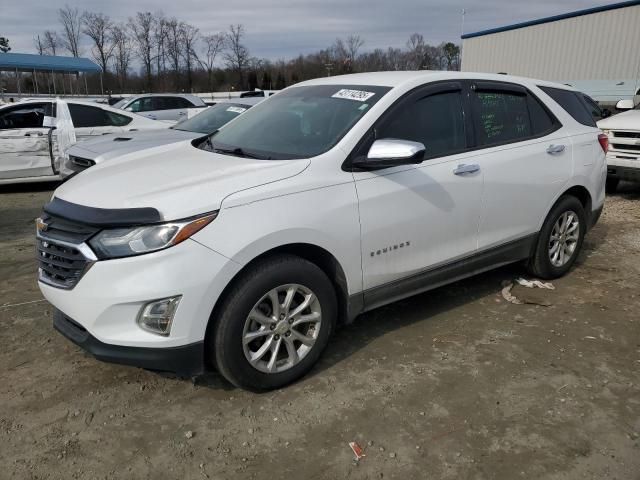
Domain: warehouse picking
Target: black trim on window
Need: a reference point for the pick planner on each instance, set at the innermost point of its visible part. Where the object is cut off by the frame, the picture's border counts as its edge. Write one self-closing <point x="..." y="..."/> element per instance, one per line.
<point x="493" y="86"/>
<point x="362" y="147"/>
<point x="102" y="217"/>
<point x="467" y="88"/>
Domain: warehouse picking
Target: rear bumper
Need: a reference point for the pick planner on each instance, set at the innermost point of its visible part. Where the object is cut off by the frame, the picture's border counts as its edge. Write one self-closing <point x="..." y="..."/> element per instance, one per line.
<point x="187" y="360"/>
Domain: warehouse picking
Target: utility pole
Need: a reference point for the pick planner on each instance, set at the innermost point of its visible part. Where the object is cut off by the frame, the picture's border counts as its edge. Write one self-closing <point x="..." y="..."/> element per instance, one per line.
<point x="328" y="66"/>
<point x="464" y="12"/>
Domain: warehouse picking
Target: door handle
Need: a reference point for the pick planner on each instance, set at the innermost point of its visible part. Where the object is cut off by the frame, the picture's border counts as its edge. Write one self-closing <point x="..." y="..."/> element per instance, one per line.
<point x="152" y="117"/>
<point x="555" y="149"/>
<point x="33" y="134"/>
<point x="463" y="169"/>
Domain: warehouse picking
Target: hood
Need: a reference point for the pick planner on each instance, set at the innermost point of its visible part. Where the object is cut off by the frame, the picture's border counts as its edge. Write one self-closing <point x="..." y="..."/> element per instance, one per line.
<point x="629" y="120"/>
<point x="178" y="180"/>
<point x="106" y="147"/>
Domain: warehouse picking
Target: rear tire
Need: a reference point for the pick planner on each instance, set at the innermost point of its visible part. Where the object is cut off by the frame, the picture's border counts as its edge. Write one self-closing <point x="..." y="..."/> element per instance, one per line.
<point x="263" y="338"/>
<point x="560" y="239"/>
<point x="611" y="186"/>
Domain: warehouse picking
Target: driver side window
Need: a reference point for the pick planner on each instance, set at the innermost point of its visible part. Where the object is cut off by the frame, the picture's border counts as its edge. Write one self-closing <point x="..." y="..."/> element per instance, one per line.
<point x="436" y="121"/>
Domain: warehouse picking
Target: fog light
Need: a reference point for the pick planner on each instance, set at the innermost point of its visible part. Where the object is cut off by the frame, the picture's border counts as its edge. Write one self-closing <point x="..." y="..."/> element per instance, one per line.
<point x="156" y="316"/>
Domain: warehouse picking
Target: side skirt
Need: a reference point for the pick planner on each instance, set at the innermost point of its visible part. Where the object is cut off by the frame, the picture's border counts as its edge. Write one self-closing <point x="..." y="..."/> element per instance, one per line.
<point x="436" y="277"/>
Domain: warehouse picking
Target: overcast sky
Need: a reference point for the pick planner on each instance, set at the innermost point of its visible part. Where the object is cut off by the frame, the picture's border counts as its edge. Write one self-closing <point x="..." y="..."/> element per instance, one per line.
<point x="284" y="28"/>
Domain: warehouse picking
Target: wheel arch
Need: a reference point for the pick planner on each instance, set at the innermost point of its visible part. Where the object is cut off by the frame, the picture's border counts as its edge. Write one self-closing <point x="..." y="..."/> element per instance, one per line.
<point x="315" y="254"/>
<point x="578" y="191"/>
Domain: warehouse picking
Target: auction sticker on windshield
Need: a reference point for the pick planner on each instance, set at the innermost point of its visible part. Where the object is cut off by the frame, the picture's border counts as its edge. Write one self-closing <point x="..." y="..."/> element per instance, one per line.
<point x="357" y="95"/>
<point x="236" y="109"/>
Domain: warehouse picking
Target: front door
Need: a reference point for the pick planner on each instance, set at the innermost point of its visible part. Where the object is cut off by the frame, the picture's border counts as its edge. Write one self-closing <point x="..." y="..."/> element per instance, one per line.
<point x="25" y="148"/>
<point x="419" y="217"/>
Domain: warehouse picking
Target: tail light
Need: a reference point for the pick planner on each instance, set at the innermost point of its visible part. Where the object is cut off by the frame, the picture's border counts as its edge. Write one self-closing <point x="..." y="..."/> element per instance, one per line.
<point x="604" y="142"/>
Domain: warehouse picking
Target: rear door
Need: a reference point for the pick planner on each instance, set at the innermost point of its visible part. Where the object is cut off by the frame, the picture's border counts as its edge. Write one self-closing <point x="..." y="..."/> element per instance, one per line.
<point x="167" y="107"/>
<point x="526" y="157"/>
<point x="25" y="144"/>
<point x="90" y="121"/>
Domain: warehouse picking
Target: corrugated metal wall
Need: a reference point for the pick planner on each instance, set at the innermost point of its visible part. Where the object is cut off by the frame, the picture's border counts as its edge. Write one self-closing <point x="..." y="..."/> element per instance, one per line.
<point x="599" y="46"/>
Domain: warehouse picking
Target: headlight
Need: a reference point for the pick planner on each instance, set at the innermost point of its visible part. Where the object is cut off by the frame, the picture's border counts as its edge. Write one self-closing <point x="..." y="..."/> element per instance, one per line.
<point x="125" y="242"/>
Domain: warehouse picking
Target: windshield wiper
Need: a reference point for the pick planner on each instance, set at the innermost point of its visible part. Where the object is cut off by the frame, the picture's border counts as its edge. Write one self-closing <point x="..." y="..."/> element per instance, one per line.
<point x="238" y="152"/>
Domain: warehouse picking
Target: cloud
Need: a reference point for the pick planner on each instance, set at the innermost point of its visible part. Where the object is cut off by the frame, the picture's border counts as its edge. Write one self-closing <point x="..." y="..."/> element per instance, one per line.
<point x="285" y="28"/>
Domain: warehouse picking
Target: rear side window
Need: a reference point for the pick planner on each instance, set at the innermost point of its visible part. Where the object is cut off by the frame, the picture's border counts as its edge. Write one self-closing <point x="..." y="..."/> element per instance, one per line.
<point x="85" y="116"/>
<point x="171" y="103"/>
<point x="502" y="117"/>
<point x="116" y="120"/>
<point x="573" y="103"/>
<point x="435" y="121"/>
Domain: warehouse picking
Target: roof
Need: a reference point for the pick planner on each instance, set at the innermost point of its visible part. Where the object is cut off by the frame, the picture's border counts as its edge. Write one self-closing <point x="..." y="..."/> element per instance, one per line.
<point x="47" y="63"/>
<point x="555" y="18"/>
<point x="411" y="78"/>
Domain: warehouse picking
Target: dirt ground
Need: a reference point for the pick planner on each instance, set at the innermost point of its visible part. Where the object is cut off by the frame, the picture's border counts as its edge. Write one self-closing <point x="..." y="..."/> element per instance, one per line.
<point x="453" y="384"/>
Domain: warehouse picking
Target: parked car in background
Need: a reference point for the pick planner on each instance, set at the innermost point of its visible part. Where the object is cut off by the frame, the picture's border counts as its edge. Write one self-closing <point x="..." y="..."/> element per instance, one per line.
<point x="89" y="153"/>
<point x="623" y="156"/>
<point x="172" y="107"/>
<point x="334" y="197"/>
<point x="28" y="144"/>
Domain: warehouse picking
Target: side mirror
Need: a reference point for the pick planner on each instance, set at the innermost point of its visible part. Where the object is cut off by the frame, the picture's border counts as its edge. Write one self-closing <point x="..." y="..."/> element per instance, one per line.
<point x="625" y="104"/>
<point x="390" y="152"/>
<point x="129" y="109"/>
<point x="49" y="122"/>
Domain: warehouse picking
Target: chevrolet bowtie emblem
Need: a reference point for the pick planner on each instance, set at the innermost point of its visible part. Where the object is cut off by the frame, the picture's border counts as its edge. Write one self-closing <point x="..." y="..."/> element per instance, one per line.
<point x="40" y="225"/>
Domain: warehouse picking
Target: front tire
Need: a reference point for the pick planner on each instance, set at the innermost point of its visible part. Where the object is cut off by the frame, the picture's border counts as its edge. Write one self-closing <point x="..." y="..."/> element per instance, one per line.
<point x="560" y="239"/>
<point x="274" y="323"/>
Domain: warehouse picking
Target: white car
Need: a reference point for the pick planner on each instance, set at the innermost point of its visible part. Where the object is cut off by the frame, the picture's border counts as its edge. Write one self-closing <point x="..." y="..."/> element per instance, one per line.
<point x="623" y="157"/>
<point x="28" y="140"/>
<point x="158" y="106"/>
<point x="87" y="154"/>
<point x="336" y="196"/>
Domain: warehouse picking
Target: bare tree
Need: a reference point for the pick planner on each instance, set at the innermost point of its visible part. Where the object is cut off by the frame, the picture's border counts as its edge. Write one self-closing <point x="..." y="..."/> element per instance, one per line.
<point x="213" y="46"/>
<point x="39" y="44"/>
<point x="160" y="45"/>
<point x="99" y="28"/>
<point x="353" y="45"/>
<point x="236" y="55"/>
<point x="451" y="53"/>
<point x="141" y="27"/>
<point x="122" y="54"/>
<point x="52" y="42"/>
<point x="70" y="19"/>
<point x="188" y="37"/>
<point x="174" y="48"/>
<point x="416" y="48"/>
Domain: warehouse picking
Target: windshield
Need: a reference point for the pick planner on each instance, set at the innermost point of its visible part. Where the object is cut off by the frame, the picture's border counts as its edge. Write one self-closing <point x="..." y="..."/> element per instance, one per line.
<point x="212" y="118"/>
<point x="120" y="103"/>
<point x="299" y="122"/>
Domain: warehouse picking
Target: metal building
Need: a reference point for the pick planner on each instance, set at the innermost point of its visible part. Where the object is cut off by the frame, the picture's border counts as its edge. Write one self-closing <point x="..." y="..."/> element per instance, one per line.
<point x="596" y="50"/>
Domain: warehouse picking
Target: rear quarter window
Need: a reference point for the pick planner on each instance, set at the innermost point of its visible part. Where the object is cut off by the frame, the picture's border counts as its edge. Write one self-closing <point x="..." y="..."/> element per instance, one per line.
<point x="572" y="103"/>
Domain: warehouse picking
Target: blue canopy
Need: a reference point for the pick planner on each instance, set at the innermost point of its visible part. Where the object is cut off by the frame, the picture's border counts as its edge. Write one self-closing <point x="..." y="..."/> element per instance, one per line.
<point x="46" y="63"/>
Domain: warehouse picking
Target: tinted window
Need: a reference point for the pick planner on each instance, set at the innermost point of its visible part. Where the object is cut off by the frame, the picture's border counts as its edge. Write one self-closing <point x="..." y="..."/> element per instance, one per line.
<point x="141" y="105"/>
<point x="542" y="121"/>
<point x="435" y="121"/>
<point x="28" y="115"/>
<point x="299" y="122"/>
<point x="502" y="117"/>
<point x="84" y="116"/>
<point x="170" y="103"/>
<point x="573" y="103"/>
<point x="116" y="120"/>
<point x="212" y="118"/>
<point x="594" y="108"/>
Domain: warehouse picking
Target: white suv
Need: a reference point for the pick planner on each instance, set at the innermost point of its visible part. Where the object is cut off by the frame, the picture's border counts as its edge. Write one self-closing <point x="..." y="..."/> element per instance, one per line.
<point x="331" y="198"/>
<point x="165" y="107"/>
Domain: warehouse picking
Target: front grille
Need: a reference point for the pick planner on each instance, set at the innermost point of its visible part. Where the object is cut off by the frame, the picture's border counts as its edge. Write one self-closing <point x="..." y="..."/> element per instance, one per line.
<point x="626" y="134"/>
<point x="624" y="146"/>
<point x="63" y="257"/>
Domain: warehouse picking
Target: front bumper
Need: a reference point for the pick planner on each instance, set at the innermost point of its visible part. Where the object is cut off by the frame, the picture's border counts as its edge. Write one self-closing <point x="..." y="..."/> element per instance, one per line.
<point x="631" y="174"/>
<point x="186" y="360"/>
